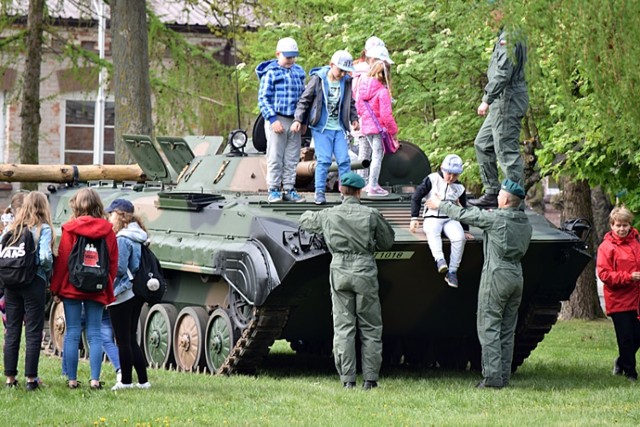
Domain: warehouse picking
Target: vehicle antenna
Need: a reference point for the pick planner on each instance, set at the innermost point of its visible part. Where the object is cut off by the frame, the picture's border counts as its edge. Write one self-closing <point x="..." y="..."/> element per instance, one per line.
<point x="235" y="60"/>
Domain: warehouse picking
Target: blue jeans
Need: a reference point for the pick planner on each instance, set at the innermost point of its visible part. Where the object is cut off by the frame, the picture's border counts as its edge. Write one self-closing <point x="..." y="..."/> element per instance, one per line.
<point x="327" y="144"/>
<point x="108" y="344"/>
<point x="73" y="317"/>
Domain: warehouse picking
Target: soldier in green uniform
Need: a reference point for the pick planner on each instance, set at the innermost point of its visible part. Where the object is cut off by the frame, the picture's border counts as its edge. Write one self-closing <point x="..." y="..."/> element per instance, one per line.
<point x="353" y="233"/>
<point x="506" y="236"/>
<point x="506" y="100"/>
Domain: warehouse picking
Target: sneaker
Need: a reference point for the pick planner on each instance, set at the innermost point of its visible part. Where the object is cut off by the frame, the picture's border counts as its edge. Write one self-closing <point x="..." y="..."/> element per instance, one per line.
<point x="33" y="385"/>
<point x="120" y="386"/>
<point x="616" y="368"/>
<point x="97" y="386"/>
<point x="144" y="385"/>
<point x="292" y="196"/>
<point x="378" y="191"/>
<point x="320" y="199"/>
<point x="366" y="189"/>
<point x="12" y="384"/>
<point x="452" y="279"/>
<point x="349" y="385"/>
<point x="74" y="386"/>
<point x="442" y="266"/>
<point x="119" y="376"/>
<point x="274" y="195"/>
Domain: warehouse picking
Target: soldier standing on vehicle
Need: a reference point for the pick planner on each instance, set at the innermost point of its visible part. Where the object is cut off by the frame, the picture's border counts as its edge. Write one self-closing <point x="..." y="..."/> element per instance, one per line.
<point x="353" y="233"/>
<point x="506" y="100"/>
<point x="506" y="237"/>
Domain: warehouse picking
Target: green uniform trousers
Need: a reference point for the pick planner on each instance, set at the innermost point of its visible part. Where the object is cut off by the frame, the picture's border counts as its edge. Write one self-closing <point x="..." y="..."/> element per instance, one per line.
<point x="499" y="140"/>
<point x="499" y="298"/>
<point x="356" y="306"/>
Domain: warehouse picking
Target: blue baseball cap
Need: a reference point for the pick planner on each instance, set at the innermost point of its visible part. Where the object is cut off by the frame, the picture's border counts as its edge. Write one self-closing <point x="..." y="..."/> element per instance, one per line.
<point x="120" y="205"/>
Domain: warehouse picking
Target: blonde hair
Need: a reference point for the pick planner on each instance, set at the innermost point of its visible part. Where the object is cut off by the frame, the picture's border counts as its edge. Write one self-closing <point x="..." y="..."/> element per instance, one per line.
<point x="381" y="71"/>
<point x="34" y="212"/>
<point x="17" y="200"/>
<point x="87" y="202"/>
<point x="620" y="213"/>
<point x="122" y="219"/>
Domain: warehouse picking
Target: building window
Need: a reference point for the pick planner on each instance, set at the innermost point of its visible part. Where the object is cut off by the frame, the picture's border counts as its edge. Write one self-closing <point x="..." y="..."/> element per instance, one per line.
<point x="78" y="133"/>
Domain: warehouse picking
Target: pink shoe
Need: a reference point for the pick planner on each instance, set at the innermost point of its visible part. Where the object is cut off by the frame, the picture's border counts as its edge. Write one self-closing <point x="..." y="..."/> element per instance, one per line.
<point x="378" y="191"/>
<point x="366" y="189"/>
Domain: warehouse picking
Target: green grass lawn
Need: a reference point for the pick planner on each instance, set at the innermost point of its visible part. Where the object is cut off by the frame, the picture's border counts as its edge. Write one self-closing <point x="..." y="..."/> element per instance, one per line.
<point x="566" y="381"/>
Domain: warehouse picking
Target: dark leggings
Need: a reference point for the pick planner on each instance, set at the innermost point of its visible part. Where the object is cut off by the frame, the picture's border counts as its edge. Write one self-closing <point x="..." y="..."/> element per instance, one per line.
<point x="124" y="318"/>
<point x="627" y="328"/>
<point x="24" y="304"/>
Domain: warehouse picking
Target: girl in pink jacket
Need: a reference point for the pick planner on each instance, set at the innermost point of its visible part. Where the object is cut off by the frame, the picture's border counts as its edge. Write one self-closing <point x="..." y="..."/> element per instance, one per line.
<point x="374" y="90"/>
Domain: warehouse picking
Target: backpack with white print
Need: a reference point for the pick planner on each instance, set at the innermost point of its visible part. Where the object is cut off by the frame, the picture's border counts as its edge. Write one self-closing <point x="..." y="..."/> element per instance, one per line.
<point x="89" y="264"/>
<point x="18" y="263"/>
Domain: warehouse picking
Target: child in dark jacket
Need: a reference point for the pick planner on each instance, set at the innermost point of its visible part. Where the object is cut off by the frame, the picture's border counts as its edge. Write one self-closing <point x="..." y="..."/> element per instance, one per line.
<point x="327" y="106"/>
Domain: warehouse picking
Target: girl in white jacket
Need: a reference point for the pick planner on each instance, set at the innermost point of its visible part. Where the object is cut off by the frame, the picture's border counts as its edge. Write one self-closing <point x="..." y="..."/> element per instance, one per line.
<point x="445" y="184"/>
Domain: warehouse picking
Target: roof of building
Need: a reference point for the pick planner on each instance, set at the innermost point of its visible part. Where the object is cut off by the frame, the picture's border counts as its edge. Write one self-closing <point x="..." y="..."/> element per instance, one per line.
<point x="175" y="12"/>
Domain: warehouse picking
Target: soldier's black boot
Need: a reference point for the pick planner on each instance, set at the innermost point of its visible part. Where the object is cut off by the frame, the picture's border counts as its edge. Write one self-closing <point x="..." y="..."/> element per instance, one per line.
<point x="368" y="385"/>
<point x="349" y="385"/>
<point x="487" y="201"/>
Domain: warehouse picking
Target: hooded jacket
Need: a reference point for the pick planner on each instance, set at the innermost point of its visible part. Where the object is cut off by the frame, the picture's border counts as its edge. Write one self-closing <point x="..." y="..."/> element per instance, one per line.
<point x="92" y="227"/>
<point x="280" y="89"/>
<point x="434" y="183"/>
<point x="129" y="252"/>
<point x="312" y="107"/>
<point x="377" y="95"/>
<point x="617" y="259"/>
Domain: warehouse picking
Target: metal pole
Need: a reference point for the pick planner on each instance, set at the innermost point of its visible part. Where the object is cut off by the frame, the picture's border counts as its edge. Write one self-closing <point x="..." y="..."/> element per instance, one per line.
<point x="98" y="127"/>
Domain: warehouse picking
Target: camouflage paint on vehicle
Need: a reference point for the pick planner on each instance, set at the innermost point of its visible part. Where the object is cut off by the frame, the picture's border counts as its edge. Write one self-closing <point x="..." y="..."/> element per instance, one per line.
<point x="241" y="273"/>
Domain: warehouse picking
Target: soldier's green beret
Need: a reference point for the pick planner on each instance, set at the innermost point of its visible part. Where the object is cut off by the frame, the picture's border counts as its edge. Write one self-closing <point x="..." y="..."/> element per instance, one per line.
<point x="352" y="179"/>
<point x="513" y="188"/>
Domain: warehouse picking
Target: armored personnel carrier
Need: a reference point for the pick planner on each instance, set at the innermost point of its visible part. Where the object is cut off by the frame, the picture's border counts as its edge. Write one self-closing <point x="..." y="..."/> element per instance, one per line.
<point x="241" y="273"/>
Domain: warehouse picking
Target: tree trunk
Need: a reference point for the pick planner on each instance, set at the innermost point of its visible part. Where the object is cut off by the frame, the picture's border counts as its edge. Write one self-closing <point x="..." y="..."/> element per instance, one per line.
<point x="132" y="88"/>
<point x="584" y="302"/>
<point x="601" y="208"/>
<point x="30" y="111"/>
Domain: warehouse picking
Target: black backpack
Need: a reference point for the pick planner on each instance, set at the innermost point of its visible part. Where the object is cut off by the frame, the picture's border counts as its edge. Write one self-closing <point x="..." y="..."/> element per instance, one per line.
<point x="148" y="282"/>
<point x="89" y="264"/>
<point x="18" y="262"/>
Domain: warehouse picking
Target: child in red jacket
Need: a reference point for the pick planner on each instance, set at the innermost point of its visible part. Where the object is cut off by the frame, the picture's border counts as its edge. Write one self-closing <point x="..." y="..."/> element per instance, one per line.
<point x="618" y="266"/>
<point x="89" y="220"/>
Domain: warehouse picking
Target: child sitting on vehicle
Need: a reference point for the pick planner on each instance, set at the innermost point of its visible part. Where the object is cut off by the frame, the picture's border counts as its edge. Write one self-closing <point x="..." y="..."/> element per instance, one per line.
<point x="445" y="184"/>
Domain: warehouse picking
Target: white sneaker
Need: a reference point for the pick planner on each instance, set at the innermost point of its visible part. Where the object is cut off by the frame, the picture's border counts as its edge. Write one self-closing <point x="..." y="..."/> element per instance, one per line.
<point x="118" y="376"/>
<point x="120" y="386"/>
<point x="144" y="385"/>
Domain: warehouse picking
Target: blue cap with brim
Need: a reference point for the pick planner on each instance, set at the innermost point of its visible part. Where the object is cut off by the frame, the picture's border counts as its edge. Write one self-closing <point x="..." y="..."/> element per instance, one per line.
<point x="120" y="205"/>
<point x="513" y="188"/>
<point x="352" y="179"/>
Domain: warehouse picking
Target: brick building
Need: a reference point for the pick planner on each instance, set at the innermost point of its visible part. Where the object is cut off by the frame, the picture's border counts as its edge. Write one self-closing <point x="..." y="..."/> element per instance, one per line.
<point x="68" y="94"/>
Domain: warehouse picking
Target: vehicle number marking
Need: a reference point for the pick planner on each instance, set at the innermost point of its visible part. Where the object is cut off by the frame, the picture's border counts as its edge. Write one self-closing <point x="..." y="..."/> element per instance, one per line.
<point x="394" y="255"/>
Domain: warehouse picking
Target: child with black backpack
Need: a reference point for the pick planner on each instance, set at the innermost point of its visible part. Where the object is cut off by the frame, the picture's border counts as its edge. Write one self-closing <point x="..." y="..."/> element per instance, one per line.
<point x="26" y="259"/>
<point x="131" y="234"/>
<point x="83" y="276"/>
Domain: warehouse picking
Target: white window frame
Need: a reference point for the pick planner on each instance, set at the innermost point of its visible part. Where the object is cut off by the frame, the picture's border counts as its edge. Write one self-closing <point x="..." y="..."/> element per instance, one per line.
<point x="63" y="128"/>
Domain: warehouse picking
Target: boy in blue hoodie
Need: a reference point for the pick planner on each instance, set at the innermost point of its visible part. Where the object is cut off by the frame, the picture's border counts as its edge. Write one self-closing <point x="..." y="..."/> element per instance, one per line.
<point x="281" y="84"/>
<point x="327" y="107"/>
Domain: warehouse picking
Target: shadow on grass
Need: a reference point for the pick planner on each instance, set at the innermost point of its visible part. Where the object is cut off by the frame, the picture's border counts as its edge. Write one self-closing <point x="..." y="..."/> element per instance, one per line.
<point x="532" y="376"/>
